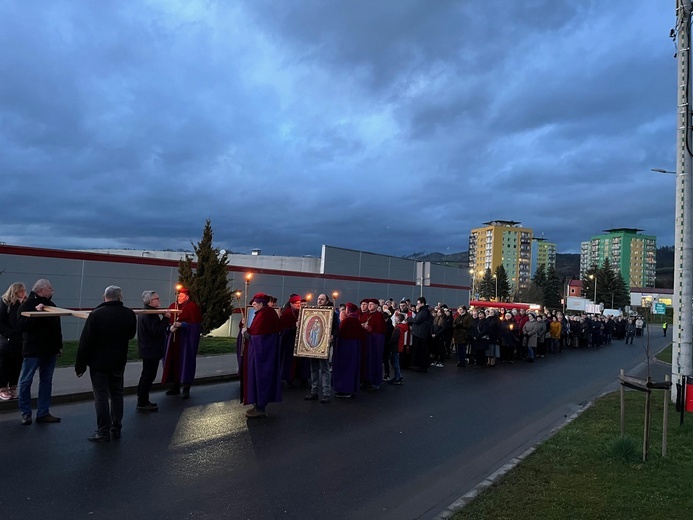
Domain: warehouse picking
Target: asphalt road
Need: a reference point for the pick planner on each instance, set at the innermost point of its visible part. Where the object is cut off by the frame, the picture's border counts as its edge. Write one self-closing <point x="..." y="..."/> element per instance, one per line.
<point x="405" y="452"/>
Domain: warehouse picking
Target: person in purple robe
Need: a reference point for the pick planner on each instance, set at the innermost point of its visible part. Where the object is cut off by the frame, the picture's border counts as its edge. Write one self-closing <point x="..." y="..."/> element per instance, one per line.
<point x="374" y="323"/>
<point x="180" y="360"/>
<point x="346" y="356"/>
<point x="288" y="324"/>
<point x="260" y="359"/>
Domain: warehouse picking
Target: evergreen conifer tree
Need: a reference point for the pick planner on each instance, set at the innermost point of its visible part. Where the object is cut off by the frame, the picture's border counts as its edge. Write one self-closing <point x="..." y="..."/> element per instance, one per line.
<point x="588" y="283"/>
<point x="535" y="292"/>
<point x="504" y="287"/>
<point x="207" y="281"/>
<point x="552" y="290"/>
<point x="487" y="287"/>
<point x="621" y="293"/>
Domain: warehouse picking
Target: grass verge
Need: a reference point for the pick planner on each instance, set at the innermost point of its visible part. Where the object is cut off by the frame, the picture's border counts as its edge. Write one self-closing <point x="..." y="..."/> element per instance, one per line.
<point x="209" y="346"/>
<point x="588" y="471"/>
<point x="665" y="355"/>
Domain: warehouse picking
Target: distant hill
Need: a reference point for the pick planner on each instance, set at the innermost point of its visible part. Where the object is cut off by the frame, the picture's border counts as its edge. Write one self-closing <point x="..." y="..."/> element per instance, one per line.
<point x="567" y="264"/>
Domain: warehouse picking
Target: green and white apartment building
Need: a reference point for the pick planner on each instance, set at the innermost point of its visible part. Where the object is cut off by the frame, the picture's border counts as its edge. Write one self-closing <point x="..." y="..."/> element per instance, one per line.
<point x="633" y="254"/>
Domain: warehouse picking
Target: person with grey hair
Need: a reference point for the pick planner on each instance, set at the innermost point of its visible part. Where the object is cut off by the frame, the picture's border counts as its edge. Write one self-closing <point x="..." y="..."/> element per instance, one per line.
<point x="42" y="341"/>
<point x="103" y="347"/>
<point x="151" y="343"/>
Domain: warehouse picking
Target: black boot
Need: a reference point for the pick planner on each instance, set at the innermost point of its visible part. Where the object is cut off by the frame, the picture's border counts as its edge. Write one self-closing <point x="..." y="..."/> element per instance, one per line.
<point x="186" y="392"/>
<point x="174" y="390"/>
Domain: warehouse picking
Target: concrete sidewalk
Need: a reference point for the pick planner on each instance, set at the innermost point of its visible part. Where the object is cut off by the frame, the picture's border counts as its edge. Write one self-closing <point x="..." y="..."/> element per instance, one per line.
<point x="67" y="387"/>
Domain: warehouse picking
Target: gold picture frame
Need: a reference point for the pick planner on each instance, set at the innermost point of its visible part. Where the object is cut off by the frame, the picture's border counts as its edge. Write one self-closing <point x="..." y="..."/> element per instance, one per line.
<point x="314" y="328"/>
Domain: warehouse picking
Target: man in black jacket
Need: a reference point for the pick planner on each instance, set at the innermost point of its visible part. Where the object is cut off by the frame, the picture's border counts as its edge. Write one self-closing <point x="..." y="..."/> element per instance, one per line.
<point x="421" y="334"/>
<point x="103" y="347"/>
<point x="42" y="342"/>
<point x="151" y="342"/>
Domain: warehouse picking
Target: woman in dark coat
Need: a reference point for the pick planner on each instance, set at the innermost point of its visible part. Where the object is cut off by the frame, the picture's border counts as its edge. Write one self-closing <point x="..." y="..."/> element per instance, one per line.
<point x="438" y="338"/>
<point x="10" y="340"/>
<point x="461" y="327"/>
<point x="480" y="338"/>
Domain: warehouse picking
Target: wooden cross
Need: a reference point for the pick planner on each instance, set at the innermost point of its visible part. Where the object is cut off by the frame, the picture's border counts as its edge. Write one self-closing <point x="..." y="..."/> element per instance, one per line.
<point x="59" y="311"/>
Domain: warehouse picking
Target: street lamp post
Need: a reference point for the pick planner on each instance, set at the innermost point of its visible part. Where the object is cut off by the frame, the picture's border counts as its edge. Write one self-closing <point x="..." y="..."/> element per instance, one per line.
<point x="495" y="276"/>
<point x="594" y="277"/>
<point x="472" y="273"/>
<point x="682" y="346"/>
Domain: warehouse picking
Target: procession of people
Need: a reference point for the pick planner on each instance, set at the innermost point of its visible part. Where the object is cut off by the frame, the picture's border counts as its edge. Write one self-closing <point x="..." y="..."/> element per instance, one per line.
<point x="367" y="346"/>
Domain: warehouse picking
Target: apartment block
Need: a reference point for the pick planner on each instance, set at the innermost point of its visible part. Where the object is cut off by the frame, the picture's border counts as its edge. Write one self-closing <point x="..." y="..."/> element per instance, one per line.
<point x="502" y="242"/>
<point x="544" y="253"/>
<point x="629" y="252"/>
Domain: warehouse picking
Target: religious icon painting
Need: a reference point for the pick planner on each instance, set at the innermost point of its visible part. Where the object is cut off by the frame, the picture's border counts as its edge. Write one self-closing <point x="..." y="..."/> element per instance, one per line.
<point x="313" y="332"/>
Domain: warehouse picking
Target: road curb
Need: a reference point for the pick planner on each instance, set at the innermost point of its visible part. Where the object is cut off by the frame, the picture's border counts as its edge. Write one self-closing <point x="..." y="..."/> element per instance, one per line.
<point x="11" y="406"/>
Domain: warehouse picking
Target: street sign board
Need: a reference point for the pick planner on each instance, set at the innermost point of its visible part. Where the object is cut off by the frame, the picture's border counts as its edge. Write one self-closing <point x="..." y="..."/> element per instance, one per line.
<point x="660" y="308"/>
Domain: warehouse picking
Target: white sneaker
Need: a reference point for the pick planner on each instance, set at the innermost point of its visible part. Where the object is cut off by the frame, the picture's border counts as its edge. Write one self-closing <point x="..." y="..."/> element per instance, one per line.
<point x="439" y="365"/>
<point x="5" y="394"/>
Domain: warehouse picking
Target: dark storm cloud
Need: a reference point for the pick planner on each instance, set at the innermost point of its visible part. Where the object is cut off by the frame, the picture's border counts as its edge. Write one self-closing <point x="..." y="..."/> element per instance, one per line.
<point x="392" y="126"/>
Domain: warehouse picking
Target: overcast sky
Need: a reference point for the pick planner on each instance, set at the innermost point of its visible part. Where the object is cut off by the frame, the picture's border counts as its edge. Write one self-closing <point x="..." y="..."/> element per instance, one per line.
<point x="390" y="126"/>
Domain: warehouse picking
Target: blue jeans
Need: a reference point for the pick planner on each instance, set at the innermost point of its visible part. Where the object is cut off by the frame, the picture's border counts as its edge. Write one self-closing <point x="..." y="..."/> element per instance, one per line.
<point x="320" y="373"/>
<point x="530" y="352"/>
<point x="45" y="366"/>
<point x="394" y="359"/>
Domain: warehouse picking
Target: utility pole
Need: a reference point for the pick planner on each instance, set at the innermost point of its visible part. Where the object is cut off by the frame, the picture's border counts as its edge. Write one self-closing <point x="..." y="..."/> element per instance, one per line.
<point x="682" y="361"/>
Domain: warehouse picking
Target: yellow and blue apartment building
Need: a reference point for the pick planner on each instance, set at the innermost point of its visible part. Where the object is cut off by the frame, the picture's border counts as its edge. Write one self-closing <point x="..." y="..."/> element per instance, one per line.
<point x="502" y="242"/>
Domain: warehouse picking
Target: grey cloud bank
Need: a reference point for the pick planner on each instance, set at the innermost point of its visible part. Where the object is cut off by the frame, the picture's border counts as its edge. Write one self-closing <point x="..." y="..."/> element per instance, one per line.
<point x="393" y="127"/>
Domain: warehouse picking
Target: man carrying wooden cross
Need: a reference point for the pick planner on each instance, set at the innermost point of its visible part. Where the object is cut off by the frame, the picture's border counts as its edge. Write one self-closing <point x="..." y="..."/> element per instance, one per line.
<point x="103" y="347"/>
<point x="42" y="342"/>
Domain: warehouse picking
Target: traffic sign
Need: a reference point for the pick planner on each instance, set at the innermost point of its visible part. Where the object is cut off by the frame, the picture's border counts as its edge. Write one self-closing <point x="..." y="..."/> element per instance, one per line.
<point x="660" y="308"/>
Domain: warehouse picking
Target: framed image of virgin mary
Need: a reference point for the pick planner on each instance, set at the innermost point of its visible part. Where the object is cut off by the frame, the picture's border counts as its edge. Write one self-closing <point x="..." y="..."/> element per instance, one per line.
<point x="313" y="332"/>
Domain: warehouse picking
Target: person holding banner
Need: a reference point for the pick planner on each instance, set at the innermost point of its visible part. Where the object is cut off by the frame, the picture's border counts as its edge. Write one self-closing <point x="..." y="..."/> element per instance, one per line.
<point x="320" y="375"/>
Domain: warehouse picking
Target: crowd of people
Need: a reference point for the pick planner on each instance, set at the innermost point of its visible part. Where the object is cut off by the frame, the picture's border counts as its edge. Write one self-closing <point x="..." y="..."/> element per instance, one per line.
<point x="369" y="345"/>
<point x="374" y="342"/>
